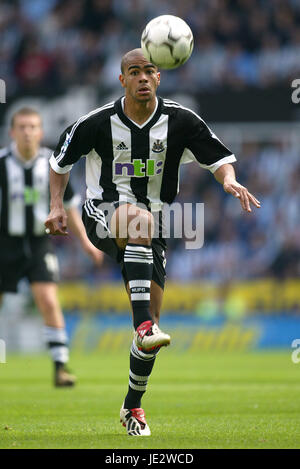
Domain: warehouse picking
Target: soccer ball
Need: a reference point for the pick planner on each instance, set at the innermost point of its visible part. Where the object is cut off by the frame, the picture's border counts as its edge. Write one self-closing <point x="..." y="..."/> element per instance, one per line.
<point x="167" y="41"/>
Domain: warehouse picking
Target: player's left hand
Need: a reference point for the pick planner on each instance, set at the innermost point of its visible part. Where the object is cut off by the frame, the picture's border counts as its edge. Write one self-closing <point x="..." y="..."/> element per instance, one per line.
<point x="242" y="193"/>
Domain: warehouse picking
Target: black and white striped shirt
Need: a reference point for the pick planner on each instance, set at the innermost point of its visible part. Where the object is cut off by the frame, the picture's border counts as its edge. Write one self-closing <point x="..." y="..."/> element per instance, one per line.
<point x="138" y="163"/>
<point x="24" y="193"/>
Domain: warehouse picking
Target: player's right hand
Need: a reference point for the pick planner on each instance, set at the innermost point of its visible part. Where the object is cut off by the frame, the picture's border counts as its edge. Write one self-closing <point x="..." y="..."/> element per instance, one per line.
<point x="242" y="193"/>
<point x="56" y="222"/>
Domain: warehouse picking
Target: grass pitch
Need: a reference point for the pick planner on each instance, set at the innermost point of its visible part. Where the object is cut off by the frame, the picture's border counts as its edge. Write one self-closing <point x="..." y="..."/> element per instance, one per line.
<point x="241" y="400"/>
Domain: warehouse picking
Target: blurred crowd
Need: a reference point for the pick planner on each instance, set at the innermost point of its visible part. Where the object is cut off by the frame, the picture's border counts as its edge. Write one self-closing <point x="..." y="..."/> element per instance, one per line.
<point x="237" y="245"/>
<point x="48" y="46"/>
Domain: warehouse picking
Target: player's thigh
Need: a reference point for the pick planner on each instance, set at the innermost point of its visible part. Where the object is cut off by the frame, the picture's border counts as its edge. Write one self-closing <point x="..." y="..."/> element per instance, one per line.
<point x="107" y="224"/>
<point x="131" y="222"/>
<point x="96" y="219"/>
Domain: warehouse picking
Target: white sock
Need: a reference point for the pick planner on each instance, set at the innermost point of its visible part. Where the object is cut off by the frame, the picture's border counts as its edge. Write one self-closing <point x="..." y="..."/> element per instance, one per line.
<point x="57" y="342"/>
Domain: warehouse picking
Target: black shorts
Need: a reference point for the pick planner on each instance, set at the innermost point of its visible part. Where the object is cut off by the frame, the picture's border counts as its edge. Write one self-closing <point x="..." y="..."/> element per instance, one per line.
<point x="96" y="221"/>
<point x="32" y="258"/>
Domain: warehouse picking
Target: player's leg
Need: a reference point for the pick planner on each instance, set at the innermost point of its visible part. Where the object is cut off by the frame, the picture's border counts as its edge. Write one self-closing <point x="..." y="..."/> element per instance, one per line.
<point x="137" y="356"/>
<point x="138" y="268"/>
<point x="141" y="364"/>
<point x="46" y="298"/>
<point x="43" y="275"/>
<point x="142" y="361"/>
<point x="133" y="228"/>
<point x="156" y="299"/>
<point x="138" y="258"/>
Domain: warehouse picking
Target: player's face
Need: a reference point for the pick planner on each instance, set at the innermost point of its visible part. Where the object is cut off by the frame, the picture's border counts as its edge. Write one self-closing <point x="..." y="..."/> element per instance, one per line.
<point x="140" y="79"/>
<point x="27" y="132"/>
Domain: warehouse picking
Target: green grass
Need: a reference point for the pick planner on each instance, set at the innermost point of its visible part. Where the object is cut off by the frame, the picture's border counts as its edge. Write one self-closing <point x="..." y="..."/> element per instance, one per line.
<point x="241" y="400"/>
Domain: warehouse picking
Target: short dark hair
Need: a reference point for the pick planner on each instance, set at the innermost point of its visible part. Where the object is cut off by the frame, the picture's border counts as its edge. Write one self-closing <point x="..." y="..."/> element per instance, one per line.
<point x="24" y="111"/>
<point x="126" y="57"/>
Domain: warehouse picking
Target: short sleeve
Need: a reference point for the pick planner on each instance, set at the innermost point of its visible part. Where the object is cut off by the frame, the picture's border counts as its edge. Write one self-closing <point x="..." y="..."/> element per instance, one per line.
<point x="204" y="145"/>
<point x="77" y="140"/>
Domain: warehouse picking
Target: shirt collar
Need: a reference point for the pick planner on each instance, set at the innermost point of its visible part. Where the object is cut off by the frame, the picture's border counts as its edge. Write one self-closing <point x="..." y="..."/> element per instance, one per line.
<point x="147" y="121"/>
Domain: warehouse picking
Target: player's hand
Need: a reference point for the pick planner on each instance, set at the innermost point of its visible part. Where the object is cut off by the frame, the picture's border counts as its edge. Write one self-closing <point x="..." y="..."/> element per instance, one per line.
<point x="94" y="253"/>
<point x="231" y="186"/>
<point x="56" y="223"/>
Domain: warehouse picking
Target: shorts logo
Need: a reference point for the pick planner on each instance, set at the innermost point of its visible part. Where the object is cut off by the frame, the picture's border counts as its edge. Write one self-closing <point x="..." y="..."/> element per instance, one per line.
<point x="158" y="146"/>
<point x="51" y="263"/>
<point x="137" y="168"/>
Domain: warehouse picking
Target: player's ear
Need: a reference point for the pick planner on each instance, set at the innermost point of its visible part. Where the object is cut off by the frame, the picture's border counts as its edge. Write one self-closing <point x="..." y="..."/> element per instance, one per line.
<point x="158" y="78"/>
<point x="122" y="80"/>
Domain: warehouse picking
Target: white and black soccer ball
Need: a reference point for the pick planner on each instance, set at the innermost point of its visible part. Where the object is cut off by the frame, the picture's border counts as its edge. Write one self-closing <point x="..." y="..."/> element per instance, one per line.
<point x="167" y="41"/>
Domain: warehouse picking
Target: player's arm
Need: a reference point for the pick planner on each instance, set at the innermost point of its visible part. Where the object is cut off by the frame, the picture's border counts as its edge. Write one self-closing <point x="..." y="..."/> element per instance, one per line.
<point x="57" y="219"/>
<point x="213" y="155"/>
<point x="225" y="175"/>
<point x="77" y="228"/>
<point x="77" y="140"/>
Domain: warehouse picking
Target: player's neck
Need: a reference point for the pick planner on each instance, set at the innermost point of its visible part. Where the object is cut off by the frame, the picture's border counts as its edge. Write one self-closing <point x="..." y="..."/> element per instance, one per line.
<point x="139" y="112"/>
<point x="26" y="153"/>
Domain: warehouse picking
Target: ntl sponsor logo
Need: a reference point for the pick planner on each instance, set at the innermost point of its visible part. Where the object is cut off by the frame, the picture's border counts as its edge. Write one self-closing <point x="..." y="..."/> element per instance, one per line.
<point x="136" y="168"/>
<point x="2" y="91"/>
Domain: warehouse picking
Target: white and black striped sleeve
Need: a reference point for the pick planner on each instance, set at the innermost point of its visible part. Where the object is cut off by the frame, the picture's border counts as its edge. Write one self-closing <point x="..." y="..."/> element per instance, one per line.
<point x="77" y="140"/>
<point x="205" y="146"/>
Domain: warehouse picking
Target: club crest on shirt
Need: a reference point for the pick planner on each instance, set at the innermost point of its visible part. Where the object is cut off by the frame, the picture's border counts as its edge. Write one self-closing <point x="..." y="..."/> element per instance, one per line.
<point x="158" y="146"/>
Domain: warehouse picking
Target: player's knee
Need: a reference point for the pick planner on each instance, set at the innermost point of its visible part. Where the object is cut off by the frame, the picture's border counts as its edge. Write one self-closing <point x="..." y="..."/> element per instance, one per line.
<point x="141" y="226"/>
